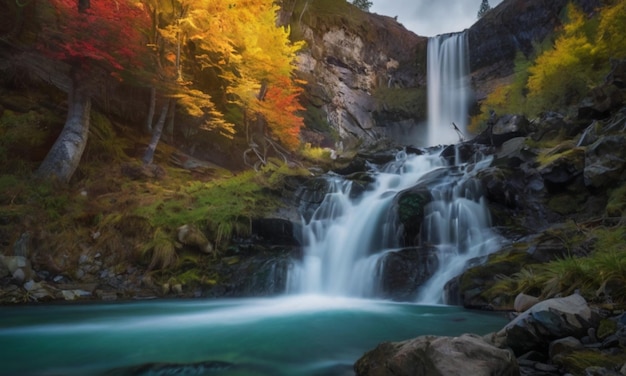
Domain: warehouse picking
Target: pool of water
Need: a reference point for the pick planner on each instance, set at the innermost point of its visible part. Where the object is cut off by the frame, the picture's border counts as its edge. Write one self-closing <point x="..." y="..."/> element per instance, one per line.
<point x="297" y="335"/>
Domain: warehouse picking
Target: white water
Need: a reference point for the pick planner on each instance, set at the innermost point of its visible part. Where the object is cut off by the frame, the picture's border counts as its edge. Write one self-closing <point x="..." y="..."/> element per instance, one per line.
<point x="346" y="239"/>
<point x="448" y="88"/>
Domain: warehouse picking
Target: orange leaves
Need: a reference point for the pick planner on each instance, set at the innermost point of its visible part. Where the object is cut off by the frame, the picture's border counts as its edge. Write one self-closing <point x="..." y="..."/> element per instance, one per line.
<point x="280" y="108"/>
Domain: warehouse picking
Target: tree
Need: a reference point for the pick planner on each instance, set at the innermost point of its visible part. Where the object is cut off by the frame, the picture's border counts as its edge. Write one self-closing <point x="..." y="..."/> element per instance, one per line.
<point x="362" y="4"/>
<point x="97" y="39"/>
<point x="484" y="8"/>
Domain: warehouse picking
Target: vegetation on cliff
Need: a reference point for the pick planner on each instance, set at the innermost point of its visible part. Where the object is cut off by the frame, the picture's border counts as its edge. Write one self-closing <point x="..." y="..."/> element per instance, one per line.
<point x="579" y="74"/>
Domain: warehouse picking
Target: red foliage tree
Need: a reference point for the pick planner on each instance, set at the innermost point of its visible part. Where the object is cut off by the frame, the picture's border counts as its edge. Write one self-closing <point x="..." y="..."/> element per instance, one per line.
<point x="93" y="37"/>
<point x="108" y="34"/>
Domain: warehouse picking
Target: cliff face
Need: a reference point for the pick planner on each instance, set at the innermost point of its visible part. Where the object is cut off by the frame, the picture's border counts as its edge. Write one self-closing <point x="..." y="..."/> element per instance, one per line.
<point x="511" y="27"/>
<point x="365" y="75"/>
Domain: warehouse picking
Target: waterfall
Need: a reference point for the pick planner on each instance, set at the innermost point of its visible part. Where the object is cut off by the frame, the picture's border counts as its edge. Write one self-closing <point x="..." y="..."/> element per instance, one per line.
<point x="350" y="234"/>
<point x="448" y="87"/>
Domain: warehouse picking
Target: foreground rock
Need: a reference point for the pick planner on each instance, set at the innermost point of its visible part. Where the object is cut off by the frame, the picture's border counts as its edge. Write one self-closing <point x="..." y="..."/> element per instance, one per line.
<point x="547" y="321"/>
<point x="429" y="355"/>
<point x="560" y="336"/>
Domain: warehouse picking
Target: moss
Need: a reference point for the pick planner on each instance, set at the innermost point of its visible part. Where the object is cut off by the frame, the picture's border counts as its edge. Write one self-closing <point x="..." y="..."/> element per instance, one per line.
<point x="190" y="277"/>
<point x="577" y="362"/>
<point x="565" y="204"/>
<point x="616" y="206"/>
<point x="606" y="328"/>
<point x="407" y="101"/>
<point x="562" y="153"/>
<point x="494" y="276"/>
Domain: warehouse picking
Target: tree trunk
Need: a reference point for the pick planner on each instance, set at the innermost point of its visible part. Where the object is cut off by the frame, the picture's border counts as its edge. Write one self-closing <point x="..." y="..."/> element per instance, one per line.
<point x="171" y="119"/>
<point x="64" y="156"/>
<point x="151" y="109"/>
<point x="156" y="136"/>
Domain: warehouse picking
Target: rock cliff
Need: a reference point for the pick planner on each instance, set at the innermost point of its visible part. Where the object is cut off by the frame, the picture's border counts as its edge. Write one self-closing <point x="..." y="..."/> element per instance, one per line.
<point x="365" y="74"/>
<point x="514" y="26"/>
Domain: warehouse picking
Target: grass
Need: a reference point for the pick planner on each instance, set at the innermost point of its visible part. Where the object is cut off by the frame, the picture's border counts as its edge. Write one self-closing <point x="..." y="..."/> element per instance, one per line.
<point x="599" y="277"/>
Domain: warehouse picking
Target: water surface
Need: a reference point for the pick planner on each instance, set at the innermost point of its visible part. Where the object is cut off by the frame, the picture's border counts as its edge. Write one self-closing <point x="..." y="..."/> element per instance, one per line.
<point x="298" y="335"/>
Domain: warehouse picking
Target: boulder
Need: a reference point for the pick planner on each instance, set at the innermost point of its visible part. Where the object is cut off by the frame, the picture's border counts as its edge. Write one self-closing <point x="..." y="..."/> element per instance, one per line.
<point x="403" y="272"/>
<point x="430" y="355"/>
<point x="192" y="236"/>
<point x="18" y="266"/>
<point x="546" y="321"/>
<point x="563" y="166"/>
<point x="564" y="346"/>
<point x="605" y="161"/>
<point x="523" y="302"/>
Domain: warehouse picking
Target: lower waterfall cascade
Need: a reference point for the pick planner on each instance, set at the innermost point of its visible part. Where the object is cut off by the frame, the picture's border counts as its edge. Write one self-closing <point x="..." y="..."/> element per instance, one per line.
<point x="349" y="234"/>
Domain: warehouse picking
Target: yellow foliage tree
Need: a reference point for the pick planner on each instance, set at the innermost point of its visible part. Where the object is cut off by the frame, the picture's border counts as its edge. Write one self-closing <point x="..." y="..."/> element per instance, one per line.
<point x="562" y="74"/>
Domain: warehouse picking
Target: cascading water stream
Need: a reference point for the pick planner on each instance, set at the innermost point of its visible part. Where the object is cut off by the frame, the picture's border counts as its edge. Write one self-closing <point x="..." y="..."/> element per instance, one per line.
<point x="349" y="234"/>
<point x="448" y="88"/>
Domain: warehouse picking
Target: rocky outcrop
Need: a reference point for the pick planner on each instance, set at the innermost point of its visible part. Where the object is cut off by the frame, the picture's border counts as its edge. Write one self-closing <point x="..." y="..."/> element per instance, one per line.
<point x="547" y="321"/>
<point x="365" y="75"/>
<point x="511" y="27"/>
<point x="560" y="336"/>
<point x="430" y="355"/>
<point x="403" y="272"/>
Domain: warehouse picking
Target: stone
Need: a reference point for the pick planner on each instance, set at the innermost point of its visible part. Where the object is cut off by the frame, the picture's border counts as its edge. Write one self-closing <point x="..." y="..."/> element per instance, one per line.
<point x="68" y="295"/>
<point x="605" y="161"/>
<point x="549" y="320"/>
<point x="177" y="289"/>
<point x="564" y="346"/>
<point x="192" y="236"/>
<point x="467" y="354"/>
<point x="403" y="272"/>
<point x="18" y="267"/>
<point x="23" y="245"/>
<point x="19" y="275"/>
<point x="4" y="270"/>
<point x="523" y="302"/>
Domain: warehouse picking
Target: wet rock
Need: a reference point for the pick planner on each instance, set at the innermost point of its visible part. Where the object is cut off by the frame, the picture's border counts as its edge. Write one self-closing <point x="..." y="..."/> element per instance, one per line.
<point x="275" y="232"/>
<point x="200" y="368"/>
<point x="430" y="355"/>
<point x="403" y="272"/>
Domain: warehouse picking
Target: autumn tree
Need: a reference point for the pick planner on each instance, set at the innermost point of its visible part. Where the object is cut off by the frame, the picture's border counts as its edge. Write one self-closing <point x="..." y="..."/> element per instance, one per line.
<point x="98" y="39"/>
<point x="239" y="45"/>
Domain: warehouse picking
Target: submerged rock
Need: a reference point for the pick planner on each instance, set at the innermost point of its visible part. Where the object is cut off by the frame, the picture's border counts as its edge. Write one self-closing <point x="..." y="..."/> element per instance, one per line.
<point x="170" y="369"/>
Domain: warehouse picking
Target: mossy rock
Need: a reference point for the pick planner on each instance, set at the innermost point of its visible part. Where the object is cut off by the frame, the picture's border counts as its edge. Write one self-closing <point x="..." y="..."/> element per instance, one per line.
<point x="579" y="361"/>
<point x="478" y="285"/>
<point x="616" y="206"/>
<point x="410" y="208"/>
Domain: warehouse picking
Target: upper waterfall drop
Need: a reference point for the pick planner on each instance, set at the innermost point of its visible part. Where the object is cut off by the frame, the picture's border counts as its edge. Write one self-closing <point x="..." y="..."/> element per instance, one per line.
<point x="449" y="91"/>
